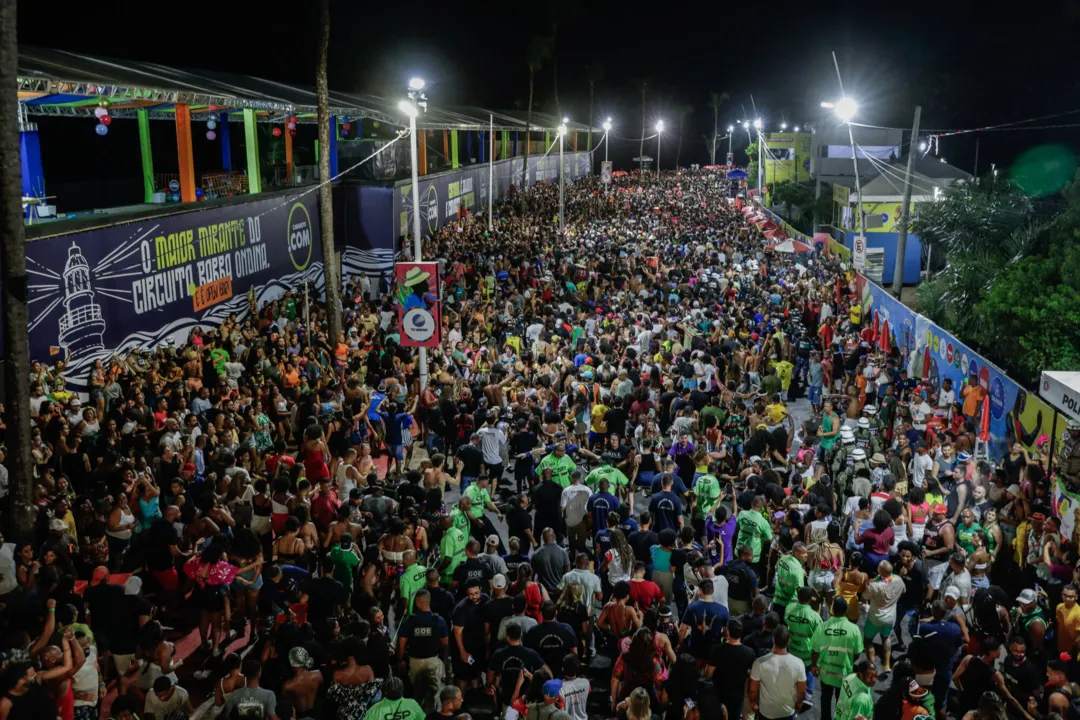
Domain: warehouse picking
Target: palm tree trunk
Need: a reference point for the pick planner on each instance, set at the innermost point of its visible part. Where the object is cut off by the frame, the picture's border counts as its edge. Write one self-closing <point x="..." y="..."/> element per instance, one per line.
<point x="678" y="152"/>
<point x="528" y="125"/>
<point x="715" y="122"/>
<point x="592" y="89"/>
<point x="641" y="148"/>
<point x="326" y="206"/>
<point x="13" y="292"/>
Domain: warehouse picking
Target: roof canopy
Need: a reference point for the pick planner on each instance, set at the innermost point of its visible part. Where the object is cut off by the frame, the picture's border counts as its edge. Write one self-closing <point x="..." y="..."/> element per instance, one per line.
<point x="61" y="83"/>
<point x="926" y="174"/>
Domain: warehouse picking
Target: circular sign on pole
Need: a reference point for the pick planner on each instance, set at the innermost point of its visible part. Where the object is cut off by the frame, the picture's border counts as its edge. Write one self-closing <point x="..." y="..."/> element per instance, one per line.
<point x="174" y="185"/>
<point x="419" y="324"/>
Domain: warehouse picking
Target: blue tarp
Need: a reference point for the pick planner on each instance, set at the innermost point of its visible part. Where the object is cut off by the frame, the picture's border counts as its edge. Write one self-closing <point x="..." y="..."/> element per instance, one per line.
<point x="737" y="175"/>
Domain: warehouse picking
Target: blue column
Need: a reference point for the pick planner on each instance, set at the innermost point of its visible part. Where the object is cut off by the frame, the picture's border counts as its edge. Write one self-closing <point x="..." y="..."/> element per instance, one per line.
<point x="468" y="147"/>
<point x="483" y="149"/>
<point x="333" y="147"/>
<point x="33" y="176"/>
<point x="515" y="142"/>
<point x="223" y="135"/>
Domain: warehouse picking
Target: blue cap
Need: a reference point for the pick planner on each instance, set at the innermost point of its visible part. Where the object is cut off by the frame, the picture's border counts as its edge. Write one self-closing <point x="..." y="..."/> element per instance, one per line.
<point x="552" y="688"/>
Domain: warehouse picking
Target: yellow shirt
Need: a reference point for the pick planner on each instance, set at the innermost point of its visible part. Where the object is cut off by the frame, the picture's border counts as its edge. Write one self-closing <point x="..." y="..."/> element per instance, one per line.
<point x="598" y="424"/>
<point x="777" y="413"/>
<point x="1068" y="626"/>
<point x="855" y="313"/>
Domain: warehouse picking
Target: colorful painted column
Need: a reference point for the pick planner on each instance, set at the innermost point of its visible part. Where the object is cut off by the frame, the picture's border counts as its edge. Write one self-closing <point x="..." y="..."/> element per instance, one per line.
<point x="251" y="146"/>
<point x="147" y="158"/>
<point x="333" y="145"/>
<point x="468" y="146"/>
<point x="454" y="150"/>
<point x="223" y="136"/>
<point x="421" y="151"/>
<point x="547" y="141"/>
<point x="33" y="175"/>
<point x="184" y="154"/>
<point x="288" y="152"/>
<point x="446" y="145"/>
<point x="505" y="140"/>
<point x="575" y="142"/>
<point x="483" y="149"/>
<point x="516" y="133"/>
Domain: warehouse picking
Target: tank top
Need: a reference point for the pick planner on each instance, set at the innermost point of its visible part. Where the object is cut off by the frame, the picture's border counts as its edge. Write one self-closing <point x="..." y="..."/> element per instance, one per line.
<point x="35" y="703"/>
<point x="648" y="463"/>
<point x="125" y="518"/>
<point x="932" y="535"/>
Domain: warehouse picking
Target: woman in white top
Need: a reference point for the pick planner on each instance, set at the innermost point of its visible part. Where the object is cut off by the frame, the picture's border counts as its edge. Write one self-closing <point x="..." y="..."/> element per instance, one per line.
<point x="619" y="560"/>
<point x="121" y="522"/>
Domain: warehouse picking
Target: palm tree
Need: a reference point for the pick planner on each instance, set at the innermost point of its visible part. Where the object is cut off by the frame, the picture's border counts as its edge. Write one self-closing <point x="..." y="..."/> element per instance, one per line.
<point x="643" y="86"/>
<point x="558" y="9"/>
<point x="539" y="51"/>
<point x="595" y="73"/>
<point x="715" y="101"/>
<point x="13" y="292"/>
<point x="326" y="209"/>
<point x="683" y="111"/>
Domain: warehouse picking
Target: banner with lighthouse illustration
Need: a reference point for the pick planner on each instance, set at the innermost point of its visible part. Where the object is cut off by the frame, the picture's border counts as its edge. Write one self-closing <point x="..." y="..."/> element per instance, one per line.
<point x="137" y="285"/>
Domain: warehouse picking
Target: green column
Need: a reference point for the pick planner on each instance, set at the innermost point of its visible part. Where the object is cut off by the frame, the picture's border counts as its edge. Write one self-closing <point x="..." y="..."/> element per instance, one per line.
<point x="505" y="142"/>
<point x="147" y="157"/>
<point x="547" y="140"/>
<point x="251" y="144"/>
<point x="453" y="149"/>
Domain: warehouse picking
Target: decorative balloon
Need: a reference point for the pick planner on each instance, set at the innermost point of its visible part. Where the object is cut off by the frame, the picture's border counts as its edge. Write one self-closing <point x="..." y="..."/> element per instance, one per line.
<point x="175" y="197"/>
<point x="292" y="133"/>
<point x="100" y="111"/>
<point x="102" y="129"/>
<point x="211" y="135"/>
<point x="375" y="123"/>
<point x="346" y="127"/>
<point x="277" y="132"/>
<point x="212" y="108"/>
<point x="198" y="193"/>
<point x="105" y="120"/>
<point x="104" y="103"/>
<point x="211" y="124"/>
<point x="292" y="124"/>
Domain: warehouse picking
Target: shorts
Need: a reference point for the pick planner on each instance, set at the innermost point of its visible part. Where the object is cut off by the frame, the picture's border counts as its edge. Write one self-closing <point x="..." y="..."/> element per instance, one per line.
<point x="821" y="580"/>
<point x="397" y="452"/>
<point x="495" y="472"/>
<point x="814" y="394"/>
<point x="168" y="579"/>
<point x="645" y="478"/>
<point x="595" y="437"/>
<point x="872" y="630"/>
<point x="463" y="671"/>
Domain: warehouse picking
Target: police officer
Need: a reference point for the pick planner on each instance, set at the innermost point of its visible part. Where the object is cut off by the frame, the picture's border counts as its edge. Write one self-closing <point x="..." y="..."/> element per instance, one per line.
<point x="423" y="640"/>
<point x="856" y="461"/>
<point x="842" y="453"/>
<point x="865" y="437"/>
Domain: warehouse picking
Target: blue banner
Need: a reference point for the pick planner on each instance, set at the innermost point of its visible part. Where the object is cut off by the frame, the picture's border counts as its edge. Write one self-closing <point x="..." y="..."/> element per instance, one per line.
<point x="111" y="290"/>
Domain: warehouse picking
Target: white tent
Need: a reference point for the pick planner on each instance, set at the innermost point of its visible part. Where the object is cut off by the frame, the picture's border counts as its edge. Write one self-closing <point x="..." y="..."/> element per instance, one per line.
<point x="1062" y="390"/>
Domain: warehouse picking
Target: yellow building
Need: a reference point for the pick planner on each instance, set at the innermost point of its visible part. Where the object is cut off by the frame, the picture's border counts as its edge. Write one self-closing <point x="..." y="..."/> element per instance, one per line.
<point x="787" y="157"/>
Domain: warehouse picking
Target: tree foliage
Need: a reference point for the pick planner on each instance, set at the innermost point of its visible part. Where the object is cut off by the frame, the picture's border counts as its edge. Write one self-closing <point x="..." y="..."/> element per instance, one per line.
<point x="1011" y="283"/>
<point x="796" y="202"/>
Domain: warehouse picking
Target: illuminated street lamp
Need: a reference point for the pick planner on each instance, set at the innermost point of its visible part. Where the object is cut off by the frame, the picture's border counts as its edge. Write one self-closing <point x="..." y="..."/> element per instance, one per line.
<point x="412" y="108"/>
<point x="562" y="178"/>
<point x="845" y="109"/>
<point x="607" y="129"/>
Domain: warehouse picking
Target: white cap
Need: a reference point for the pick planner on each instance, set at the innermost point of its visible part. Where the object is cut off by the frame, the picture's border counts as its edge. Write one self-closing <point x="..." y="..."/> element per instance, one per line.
<point x="864" y="423"/>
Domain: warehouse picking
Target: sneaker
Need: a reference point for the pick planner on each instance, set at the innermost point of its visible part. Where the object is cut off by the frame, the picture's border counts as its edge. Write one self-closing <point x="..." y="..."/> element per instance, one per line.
<point x="201" y="674"/>
<point x="806" y="705"/>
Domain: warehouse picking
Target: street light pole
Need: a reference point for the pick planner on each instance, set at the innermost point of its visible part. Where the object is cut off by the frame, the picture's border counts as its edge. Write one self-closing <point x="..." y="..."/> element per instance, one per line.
<point x="730" y="132"/>
<point x="562" y="180"/>
<point x="760" y="161"/>
<point x="659" y="132"/>
<point x="411" y="107"/>
<point x="901" y="240"/>
<point x="491" y="167"/>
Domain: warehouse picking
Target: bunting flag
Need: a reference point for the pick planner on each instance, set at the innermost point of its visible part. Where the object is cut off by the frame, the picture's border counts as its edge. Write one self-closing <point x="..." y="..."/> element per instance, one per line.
<point x="984" y="424"/>
<point x="926" y="363"/>
<point x="886" y="339"/>
<point x="874" y="328"/>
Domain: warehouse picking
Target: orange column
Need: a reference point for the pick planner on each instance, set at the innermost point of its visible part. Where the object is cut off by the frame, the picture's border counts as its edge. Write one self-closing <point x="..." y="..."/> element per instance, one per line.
<point x="575" y="142"/>
<point x="288" y="151"/>
<point x="446" y="145"/>
<point x="183" y="153"/>
<point x="421" y="151"/>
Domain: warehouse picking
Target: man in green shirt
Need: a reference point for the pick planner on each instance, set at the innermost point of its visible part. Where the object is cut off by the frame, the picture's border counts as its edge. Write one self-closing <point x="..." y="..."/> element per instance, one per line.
<point x="412" y="579"/>
<point x="451" y="550"/>
<point x="346" y="556"/>
<point x="460" y="516"/>
<point x="613" y="475"/>
<point x="561" y="466"/>
<point x="857" y="692"/>
<point x="754" y="530"/>
<point x="803" y="621"/>
<point x="706" y="494"/>
<point x="790" y="576"/>
<point x="836" y="644"/>
<point x="478" y="493"/>
<point x="394" y="706"/>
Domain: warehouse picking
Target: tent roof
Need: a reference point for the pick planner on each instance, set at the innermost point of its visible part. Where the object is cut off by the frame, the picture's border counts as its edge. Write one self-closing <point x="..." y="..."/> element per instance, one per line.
<point x="57" y="82"/>
<point x="927" y="173"/>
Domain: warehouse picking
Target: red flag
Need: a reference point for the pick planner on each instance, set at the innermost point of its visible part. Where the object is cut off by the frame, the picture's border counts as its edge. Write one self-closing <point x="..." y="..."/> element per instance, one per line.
<point x="837" y="291"/>
<point x="984" y="425"/>
<point x="886" y="339"/>
<point x="874" y="329"/>
<point x="926" y="363"/>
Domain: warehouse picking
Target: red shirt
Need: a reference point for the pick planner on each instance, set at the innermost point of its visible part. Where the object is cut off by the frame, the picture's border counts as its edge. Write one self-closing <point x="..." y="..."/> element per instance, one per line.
<point x="324" y="510"/>
<point x="273" y="460"/>
<point x="645" y="594"/>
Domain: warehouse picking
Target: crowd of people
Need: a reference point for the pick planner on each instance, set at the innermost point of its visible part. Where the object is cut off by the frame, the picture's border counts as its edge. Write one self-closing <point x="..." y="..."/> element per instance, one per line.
<point x="657" y="469"/>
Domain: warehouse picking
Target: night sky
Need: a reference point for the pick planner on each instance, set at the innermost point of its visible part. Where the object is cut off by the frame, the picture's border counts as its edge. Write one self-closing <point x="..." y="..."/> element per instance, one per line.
<point x="966" y="64"/>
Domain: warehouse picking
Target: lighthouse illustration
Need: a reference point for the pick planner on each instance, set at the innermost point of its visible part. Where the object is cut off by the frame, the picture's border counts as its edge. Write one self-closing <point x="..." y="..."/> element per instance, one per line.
<point x="81" y="325"/>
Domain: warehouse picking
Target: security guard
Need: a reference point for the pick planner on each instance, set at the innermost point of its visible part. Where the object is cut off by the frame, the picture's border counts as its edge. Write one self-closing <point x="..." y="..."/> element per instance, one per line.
<point x="846" y="477"/>
<point x="424" y="639"/>
<point x="842" y="457"/>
